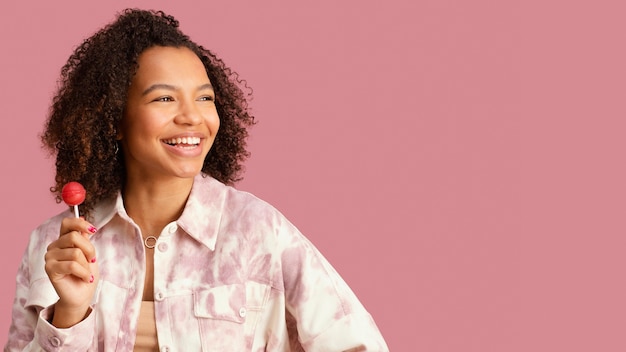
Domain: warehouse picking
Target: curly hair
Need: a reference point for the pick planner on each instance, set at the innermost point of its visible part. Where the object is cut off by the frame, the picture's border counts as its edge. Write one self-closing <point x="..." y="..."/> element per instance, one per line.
<point x="86" y="111"/>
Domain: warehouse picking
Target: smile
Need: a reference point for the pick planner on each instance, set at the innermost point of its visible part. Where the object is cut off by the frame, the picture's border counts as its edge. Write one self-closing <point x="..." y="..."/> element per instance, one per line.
<point x="183" y="142"/>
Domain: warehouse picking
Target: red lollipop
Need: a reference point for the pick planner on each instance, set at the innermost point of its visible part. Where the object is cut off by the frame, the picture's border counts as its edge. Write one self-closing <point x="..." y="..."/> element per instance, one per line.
<point x="73" y="194"/>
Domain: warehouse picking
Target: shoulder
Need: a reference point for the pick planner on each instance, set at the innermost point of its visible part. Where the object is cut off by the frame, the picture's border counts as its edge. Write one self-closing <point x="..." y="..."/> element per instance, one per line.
<point x="47" y="231"/>
<point x="234" y="204"/>
<point x="44" y="234"/>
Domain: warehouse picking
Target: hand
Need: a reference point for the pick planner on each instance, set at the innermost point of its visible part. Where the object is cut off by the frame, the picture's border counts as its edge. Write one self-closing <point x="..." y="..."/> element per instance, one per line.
<point x="72" y="269"/>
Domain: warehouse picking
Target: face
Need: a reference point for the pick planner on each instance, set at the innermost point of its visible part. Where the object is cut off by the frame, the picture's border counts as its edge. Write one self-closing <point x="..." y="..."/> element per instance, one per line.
<point x="170" y="120"/>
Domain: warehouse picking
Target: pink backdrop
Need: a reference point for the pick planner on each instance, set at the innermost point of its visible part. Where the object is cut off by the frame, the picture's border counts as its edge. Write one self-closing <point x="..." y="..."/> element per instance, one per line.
<point x="461" y="163"/>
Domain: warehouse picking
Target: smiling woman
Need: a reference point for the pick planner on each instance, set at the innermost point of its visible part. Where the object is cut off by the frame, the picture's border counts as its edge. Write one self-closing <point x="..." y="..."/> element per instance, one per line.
<point x="168" y="255"/>
<point x="170" y="120"/>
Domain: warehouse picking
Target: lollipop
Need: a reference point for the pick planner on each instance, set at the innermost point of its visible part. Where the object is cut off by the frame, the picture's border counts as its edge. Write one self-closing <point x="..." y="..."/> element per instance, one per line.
<point x="73" y="194"/>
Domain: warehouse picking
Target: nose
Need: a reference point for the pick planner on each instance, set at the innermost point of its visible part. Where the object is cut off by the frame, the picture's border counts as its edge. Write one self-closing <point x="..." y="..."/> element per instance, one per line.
<point x="188" y="114"/>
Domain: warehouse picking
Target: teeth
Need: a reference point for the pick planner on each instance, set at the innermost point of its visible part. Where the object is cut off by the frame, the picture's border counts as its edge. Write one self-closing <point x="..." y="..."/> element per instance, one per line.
<point x="183" y="140"/>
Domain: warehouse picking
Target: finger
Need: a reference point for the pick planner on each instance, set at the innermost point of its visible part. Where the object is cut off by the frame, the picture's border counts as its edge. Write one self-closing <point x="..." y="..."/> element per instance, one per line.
<point x="67" y="254"/>
<point x="59" y="269"/>
<point x="74" y="240"/>
<point x="76" y="224"/>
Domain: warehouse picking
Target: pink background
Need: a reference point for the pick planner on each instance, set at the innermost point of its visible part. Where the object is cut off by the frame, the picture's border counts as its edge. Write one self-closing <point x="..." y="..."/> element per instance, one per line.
<point x="461" y="163"/>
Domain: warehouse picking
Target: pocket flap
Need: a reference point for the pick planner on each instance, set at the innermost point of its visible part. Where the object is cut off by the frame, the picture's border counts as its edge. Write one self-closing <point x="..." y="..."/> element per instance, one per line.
<point x="227" y="302"/>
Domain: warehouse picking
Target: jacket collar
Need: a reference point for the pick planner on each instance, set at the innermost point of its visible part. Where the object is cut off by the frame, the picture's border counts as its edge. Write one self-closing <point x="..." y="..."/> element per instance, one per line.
<point x="201" y="216"/>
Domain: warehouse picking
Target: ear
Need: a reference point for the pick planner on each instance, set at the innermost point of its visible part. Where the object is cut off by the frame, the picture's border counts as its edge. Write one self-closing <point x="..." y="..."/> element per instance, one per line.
<point x="119" y="135"/>
<point x="119" y="129"/>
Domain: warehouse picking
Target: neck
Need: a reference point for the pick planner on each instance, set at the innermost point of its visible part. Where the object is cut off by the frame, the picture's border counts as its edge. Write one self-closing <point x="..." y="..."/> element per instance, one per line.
<point x="154" y="204"/>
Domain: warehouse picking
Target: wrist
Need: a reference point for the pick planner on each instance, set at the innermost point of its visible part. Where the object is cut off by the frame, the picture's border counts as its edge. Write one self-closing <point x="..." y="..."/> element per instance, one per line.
<point x="64" y="316"/>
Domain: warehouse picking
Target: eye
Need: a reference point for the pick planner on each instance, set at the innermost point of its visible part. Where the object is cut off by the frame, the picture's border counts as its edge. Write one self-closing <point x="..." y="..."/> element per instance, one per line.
<point x="207" y="98"/>
<point x="164" y="99"/>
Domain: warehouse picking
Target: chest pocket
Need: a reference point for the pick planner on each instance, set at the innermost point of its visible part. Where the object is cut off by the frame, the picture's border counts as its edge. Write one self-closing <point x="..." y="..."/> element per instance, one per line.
<point x="226" y="302"/>
<point x="228" y="315"/>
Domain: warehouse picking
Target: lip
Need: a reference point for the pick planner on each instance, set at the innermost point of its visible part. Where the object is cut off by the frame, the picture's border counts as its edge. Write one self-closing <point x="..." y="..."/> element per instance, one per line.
<point x="186" y="134"/>
<point x="186" y="152"/>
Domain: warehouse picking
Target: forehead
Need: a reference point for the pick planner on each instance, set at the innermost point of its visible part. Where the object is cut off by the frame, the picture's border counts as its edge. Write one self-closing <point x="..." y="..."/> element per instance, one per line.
<point x="169" y="65"/>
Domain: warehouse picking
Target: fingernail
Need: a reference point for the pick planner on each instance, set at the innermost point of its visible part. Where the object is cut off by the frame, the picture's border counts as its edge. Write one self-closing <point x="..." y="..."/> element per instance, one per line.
<point x="93" y="260"/>
<point x="92" y="229"/>
<point x="91" y="279"/>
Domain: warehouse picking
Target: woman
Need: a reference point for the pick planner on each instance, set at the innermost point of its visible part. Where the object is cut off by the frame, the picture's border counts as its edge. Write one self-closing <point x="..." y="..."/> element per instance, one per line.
<point x="167" y="255"/>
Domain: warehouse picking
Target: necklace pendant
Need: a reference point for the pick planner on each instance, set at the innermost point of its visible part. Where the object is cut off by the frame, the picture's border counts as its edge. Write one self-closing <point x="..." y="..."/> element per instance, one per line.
<point x="150" y="242"/>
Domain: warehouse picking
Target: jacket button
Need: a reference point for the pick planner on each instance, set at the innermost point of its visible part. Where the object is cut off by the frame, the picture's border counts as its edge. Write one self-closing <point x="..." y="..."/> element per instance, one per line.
<point x="55" y="341"/>
<point x="163" y="247"/>
<point x="242" y="312"/>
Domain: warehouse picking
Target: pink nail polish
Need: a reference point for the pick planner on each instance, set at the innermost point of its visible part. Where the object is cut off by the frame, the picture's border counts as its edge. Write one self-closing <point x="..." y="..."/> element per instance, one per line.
<point x="92" y="229"/>
<point x="91" y="279"/>
<point x="93" y="260"/>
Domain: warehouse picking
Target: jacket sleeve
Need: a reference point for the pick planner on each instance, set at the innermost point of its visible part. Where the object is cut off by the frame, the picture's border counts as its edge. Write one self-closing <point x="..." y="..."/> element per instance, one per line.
<point x="327" y="315"/>
<point x="33" y="306"/>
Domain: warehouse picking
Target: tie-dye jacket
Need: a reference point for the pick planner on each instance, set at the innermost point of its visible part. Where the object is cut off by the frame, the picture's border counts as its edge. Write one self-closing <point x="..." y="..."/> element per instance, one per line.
<point x="231" y="274"/>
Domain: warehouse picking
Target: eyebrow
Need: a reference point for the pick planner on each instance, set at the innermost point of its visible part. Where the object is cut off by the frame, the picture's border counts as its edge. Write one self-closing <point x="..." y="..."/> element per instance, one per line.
<point x="173" y="88"/>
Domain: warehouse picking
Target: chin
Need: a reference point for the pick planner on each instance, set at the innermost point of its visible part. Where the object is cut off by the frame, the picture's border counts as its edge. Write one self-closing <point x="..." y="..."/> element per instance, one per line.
<point x="188" y="173"/>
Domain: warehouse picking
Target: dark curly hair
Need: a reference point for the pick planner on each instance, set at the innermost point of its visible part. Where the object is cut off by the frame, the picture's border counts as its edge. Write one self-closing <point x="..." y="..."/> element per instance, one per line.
<point x="86" y="112"/>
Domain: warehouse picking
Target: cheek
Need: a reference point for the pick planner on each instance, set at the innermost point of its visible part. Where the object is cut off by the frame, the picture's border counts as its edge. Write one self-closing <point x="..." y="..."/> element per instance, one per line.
<point x="217" y="124"/>
<point x="147" y="123"/>
<point x="214" y="123"/>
